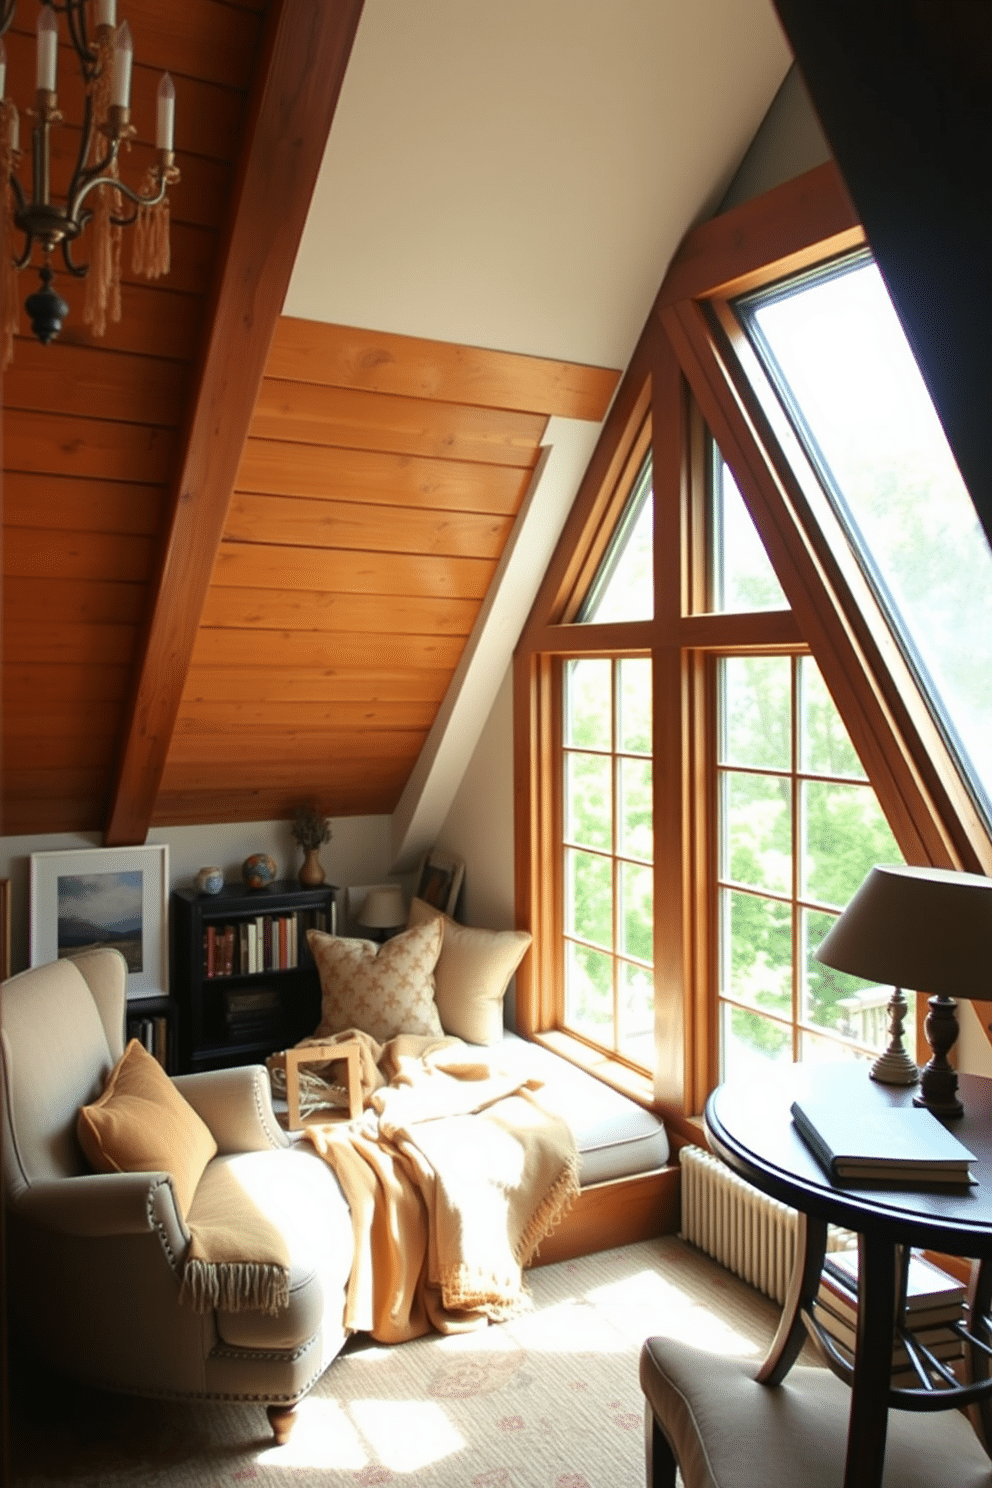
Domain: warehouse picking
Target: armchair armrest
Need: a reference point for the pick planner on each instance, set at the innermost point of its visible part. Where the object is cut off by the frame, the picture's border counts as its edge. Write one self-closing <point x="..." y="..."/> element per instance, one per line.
<point x="236" y="1105"/>
<point x="105" y="1204"/>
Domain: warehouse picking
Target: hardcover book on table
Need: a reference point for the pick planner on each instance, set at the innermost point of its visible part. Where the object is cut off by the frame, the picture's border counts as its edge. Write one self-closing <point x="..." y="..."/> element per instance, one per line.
<point x="904" y="1144"/>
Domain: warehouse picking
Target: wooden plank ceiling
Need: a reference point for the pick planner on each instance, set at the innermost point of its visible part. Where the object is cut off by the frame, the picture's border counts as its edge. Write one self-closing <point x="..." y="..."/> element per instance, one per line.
<point x="92" y="428"/>
<point x="378" y="488"/>
<point x="373" y="500"/>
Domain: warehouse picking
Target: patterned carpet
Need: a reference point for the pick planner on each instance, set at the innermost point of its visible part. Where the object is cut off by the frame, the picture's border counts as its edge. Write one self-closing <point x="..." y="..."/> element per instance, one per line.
<point x="549" y="1400"/>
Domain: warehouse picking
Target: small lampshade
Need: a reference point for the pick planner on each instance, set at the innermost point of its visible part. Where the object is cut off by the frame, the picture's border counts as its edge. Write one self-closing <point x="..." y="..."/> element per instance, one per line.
<point x="383" y="908"/>
<point x="927" y="929"/>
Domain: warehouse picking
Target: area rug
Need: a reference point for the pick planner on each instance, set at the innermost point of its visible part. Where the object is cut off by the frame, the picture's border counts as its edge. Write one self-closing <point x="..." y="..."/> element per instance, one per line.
<point x="549" y="1400"/>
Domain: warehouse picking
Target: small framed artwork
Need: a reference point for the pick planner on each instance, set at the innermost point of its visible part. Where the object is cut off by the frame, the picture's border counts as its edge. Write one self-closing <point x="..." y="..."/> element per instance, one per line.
<point x="4" y="929"/>
<point x="439" y="879"/>
<point x="104" y="896"/>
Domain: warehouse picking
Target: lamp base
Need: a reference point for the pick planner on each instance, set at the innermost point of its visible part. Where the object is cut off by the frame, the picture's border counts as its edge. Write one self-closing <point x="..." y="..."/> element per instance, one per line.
<point x="938" y="1079"/>
<point x="895" y="1067"/>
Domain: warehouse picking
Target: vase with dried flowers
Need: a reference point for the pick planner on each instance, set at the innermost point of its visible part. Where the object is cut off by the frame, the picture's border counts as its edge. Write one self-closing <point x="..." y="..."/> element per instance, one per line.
<point x="311" y="831"/>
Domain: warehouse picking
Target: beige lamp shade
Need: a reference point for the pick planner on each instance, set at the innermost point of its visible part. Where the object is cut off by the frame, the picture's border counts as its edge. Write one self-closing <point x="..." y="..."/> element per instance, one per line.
<point x="383" y="908"/>
<point x="925" y="929"/>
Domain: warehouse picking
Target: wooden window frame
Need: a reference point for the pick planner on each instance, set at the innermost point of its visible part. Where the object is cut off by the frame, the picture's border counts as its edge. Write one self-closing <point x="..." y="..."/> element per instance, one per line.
<point x="693" y="355"/>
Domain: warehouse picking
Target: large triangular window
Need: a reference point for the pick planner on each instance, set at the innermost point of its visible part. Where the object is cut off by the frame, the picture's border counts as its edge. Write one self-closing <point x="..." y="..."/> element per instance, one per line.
<point x="795" y="607"/>
<point x="837" y="355"/>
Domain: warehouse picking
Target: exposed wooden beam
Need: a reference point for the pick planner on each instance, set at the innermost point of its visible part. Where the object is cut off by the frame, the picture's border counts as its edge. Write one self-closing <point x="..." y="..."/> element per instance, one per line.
<point x="303" y="57"/>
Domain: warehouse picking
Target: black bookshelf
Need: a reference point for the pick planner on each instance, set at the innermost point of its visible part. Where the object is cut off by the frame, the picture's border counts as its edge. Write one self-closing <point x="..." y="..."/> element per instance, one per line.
<point x="152" y="1021"/>
<point x="235" y="1005"/>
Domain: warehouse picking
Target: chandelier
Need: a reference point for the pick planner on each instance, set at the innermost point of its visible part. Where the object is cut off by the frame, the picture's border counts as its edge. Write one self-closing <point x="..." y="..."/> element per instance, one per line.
<point x="94" y="193"/>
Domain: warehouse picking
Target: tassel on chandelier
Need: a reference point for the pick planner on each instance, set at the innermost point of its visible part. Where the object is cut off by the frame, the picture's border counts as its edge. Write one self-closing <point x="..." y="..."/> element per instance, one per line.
<point x="95" y="193"/>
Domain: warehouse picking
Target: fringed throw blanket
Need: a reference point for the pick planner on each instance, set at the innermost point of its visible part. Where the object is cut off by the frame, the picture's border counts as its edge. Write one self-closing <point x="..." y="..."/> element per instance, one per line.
<point x="454" y="1175"/>
<point x="236" y="1259"/>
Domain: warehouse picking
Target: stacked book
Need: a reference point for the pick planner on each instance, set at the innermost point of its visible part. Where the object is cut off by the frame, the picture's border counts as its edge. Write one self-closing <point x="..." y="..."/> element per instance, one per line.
<point x="934" y="1303"/>
<point x="252" y="1016"/>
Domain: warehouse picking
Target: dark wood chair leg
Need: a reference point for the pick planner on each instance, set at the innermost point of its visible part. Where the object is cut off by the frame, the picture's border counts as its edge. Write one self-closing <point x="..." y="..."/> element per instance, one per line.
<point x="282" y="1419"/>
<point x="811" y="1247"/>
<point x="659" y="1459"/>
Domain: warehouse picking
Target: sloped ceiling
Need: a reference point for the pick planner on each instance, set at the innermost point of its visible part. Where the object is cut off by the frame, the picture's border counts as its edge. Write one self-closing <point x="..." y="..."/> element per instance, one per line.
<point x="248" y="557"/>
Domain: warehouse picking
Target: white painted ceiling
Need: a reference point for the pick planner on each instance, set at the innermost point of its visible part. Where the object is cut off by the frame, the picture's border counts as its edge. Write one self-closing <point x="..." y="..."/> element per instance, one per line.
<point x="517" y="173"/>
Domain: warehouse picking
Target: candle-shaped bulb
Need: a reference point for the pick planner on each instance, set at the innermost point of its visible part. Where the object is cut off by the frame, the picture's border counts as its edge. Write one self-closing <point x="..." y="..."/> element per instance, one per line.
<point x="106" y="13"/>
<point x="166" y="112"/>
<point x="48" y="50"/>
<point x="120" y="77"/>
<point x="3" y="69"/>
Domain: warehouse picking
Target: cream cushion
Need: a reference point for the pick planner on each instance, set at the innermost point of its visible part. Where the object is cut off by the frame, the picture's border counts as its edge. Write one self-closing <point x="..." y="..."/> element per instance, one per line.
<point x="381" y="990"/>
<point x="727" y="1431"/>
<point x="472" y="974"/>
<point x="141" y="1124"/>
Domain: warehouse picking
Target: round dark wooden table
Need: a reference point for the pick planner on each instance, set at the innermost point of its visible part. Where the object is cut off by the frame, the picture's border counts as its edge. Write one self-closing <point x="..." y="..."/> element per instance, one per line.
<point x="749" y="1125"/>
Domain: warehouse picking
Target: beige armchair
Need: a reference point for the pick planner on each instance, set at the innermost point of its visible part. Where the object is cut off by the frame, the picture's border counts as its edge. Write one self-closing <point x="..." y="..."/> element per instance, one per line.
<point x="95" y="1259"/>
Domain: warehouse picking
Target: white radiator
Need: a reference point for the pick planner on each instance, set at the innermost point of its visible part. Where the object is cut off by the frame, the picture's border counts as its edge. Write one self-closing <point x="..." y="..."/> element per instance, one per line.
<point x="751" y="1234"/>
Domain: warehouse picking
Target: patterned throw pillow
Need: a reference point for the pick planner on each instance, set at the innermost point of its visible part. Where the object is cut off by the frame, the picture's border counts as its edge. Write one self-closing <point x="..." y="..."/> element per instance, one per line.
<point x="472" y="975"/>
<point x="382" y="990"/>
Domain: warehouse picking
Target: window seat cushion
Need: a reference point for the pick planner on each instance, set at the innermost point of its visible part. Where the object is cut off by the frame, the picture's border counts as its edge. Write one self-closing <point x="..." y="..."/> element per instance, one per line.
<point x="616" y="1137"/>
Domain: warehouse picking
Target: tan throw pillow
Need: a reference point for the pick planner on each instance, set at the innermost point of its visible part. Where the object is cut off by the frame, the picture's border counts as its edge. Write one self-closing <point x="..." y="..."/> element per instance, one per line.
<point x="141" y="1124"/>
<point x="382" y="990"/>
<point x="472" y="974"/>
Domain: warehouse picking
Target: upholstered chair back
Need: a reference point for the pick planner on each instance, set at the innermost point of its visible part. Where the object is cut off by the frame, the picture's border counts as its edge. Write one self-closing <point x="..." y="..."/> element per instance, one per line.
<point x="61" y="1032"/>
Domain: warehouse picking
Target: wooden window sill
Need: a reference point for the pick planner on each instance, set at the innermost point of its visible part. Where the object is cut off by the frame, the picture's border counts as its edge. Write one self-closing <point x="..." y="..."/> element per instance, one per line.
<point x="611" y="1071"/>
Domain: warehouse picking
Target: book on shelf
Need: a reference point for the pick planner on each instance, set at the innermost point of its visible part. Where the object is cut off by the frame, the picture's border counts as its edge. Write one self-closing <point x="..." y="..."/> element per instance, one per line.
<point x="239" y="1002"/>
<point x="228" y="950"/>
<point x="892" y="1144"/>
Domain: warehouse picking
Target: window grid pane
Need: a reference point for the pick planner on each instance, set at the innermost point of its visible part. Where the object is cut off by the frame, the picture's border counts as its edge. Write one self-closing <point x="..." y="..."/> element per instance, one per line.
<point x="607" y="855"/>
<point x="742" y="579"/>
<point x="792" y="848"/>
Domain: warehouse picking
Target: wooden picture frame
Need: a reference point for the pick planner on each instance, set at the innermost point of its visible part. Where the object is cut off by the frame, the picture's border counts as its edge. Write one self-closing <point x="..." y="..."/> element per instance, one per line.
<point x="4" y="929"/>
<point x="98" y="896"/>
<point x="439" y="880"/>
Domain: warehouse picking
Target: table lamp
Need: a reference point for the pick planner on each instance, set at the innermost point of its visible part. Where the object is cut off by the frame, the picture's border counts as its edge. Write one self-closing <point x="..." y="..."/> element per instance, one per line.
<point x="928" y="929"/>
<point x="383" y="910"/>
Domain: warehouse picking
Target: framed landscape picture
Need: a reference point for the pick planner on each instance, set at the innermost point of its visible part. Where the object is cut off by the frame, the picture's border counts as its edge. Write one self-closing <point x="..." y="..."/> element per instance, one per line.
<point x="113" y="896"/>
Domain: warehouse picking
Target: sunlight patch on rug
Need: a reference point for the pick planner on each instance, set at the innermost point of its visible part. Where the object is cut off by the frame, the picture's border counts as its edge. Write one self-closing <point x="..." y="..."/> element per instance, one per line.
<point x="323" y="1438"/>
<point x="646" y="1304"/>
<point x="406" y="1436"/>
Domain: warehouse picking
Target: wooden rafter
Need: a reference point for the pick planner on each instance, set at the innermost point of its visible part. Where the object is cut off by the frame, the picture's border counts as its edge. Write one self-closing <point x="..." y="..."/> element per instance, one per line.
<point x="303" y="58"/>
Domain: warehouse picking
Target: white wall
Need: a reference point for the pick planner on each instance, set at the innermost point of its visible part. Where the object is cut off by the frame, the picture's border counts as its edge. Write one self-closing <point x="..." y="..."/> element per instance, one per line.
<point x="789" y="141"/>
<point x="358" y="852"/>
<point x="479" y="825"/>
